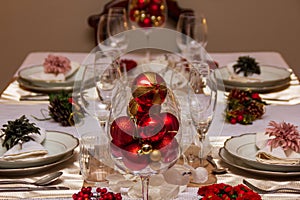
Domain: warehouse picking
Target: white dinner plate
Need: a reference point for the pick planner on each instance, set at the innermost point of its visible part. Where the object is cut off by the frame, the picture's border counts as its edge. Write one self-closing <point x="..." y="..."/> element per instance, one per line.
<point x="33" y="170"/>
<point x="237" y="163"/>
<point x="58" y="144"/>
<point x="36" y="76"/>
<point x="244" y="148"/>
<point x="271" y="77"/>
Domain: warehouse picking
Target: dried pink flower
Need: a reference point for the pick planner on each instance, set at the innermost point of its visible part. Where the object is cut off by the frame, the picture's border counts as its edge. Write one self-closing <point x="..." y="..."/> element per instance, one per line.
<point x="56" y="64"/>
<point x="286" y="136"/>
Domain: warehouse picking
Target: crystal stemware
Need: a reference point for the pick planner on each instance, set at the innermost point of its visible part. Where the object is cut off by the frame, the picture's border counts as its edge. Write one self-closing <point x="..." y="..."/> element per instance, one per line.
<point x="202" y="96"/>
<point x="97" y="87"/>
<point x="195" y="35"/>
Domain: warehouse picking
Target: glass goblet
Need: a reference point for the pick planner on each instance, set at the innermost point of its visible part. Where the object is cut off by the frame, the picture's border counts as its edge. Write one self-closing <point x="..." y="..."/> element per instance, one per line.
<point x="145" y="137"/>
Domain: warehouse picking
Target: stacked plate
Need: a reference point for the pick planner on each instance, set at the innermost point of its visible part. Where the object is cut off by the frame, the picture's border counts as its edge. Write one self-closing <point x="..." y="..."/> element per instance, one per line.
<point x="60" y="147"/>
<point x="33" y="78"/>
<point x="270" y="79"/>
<point x="240" y="151"/>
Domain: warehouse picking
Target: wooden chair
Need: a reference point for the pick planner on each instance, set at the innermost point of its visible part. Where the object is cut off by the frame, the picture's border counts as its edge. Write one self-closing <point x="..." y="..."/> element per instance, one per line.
<point x="173" y="13"/>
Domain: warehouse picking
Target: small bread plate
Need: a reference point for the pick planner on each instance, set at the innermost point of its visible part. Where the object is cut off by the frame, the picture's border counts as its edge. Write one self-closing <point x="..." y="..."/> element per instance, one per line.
<point x="237" y="163"/>
<point x="58" y="144"/>
<point x="244" y="148"/>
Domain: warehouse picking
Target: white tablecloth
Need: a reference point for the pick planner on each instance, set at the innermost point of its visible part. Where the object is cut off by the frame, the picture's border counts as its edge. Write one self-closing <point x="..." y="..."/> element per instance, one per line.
<point x="11" y="108"/>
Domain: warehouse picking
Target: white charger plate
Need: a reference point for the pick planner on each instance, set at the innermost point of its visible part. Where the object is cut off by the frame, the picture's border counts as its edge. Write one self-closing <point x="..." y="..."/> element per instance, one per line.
<point x="244" y="148"/>
<point x="271" y="77"/>
<point x="58" y="144"/>
<point x="237" y="163"/>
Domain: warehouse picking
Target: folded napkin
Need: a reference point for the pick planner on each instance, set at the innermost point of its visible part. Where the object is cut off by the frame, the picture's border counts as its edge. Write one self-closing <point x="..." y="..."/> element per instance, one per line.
<point x="269" y="155"/>
<point x="30" y="149"/>
<point x="42" y="76"/>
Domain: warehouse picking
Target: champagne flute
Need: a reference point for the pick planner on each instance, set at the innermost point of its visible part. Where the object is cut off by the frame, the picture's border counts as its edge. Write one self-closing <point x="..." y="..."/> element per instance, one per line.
<point x="202" y="96"/>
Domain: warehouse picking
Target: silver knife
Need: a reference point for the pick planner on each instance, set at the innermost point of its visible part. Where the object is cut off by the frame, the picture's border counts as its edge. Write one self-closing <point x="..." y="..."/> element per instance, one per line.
<point x="24" y="189"/>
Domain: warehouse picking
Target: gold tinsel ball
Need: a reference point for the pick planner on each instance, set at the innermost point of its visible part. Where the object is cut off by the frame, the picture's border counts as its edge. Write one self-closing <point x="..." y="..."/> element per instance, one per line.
<point x="155" y="155"/>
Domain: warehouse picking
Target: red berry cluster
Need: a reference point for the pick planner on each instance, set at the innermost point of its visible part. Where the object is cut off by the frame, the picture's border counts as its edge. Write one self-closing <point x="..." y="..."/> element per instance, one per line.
<point x="101" y="194"/>
<point x="244" y="106"/>
<point x="221" y="191"/>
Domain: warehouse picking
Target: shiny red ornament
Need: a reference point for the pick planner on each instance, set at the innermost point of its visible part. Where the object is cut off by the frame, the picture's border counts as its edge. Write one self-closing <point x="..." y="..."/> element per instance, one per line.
<point x="151" y="128"/>
<point x="133" y="159"/>
<point x="146" y="22"/>
<point x="122" y="131"/>
<point x="154" y="9"/>
<point x="171" y="123"/>
<point x="141" y="4"/>
<point x="149" y="88"/>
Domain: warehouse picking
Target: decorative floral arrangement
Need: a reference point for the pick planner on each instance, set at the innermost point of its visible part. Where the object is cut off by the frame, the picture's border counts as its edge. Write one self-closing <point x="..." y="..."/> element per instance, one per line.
<point x="18" y="131"/>
<point x="221" y="191"/>
<point x="286" y="136"/>
<point x="247" y="65"/>
<point x="244" y="106"/>
<point x="56" y="64"/>
<point x="100" y="194"/>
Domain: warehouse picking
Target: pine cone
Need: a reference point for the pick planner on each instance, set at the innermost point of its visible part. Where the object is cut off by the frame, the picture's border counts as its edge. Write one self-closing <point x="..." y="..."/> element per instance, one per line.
<point x="60" y="108"/>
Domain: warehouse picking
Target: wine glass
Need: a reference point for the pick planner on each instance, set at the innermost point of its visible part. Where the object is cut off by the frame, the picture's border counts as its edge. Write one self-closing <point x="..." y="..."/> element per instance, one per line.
<point x="147" y="13"/>
<point x="111" y="33"/>
<point x="97" y="88"/>
<point x="196" y="30"/>
<point x="116" y="26"/>
<point x="145" y="134"/>
<point x="202" y="95"/>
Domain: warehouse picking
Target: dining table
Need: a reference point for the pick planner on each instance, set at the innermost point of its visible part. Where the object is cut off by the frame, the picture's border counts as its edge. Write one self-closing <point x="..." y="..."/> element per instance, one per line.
<point x="283" y="105"/>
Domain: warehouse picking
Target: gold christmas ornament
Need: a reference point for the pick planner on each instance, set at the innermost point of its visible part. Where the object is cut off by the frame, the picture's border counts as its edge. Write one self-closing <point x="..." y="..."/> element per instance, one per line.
<point x="155" y="155"/>
<point x="146" y="148"/>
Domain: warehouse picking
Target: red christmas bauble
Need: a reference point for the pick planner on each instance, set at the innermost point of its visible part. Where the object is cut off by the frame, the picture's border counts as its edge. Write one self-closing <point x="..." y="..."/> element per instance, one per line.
<point x="166" y="140"/>
<point x="141" y="4"/>
<point x="154" y="9"/>
<point x="134" y="160"/>
<point x="122" y="131"/>
<point x="151" y="128"/>
<point x="146" y="22"/>
<point x="149" y="88"/>
<point x="171" y="123"/>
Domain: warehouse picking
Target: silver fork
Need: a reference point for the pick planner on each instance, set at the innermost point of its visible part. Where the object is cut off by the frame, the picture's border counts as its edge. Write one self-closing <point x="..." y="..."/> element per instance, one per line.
<point x="277" y="190"/>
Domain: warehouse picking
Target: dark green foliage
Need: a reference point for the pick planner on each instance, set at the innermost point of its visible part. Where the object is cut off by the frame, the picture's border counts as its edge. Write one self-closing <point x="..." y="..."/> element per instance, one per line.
<point x="18" y="131"/>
